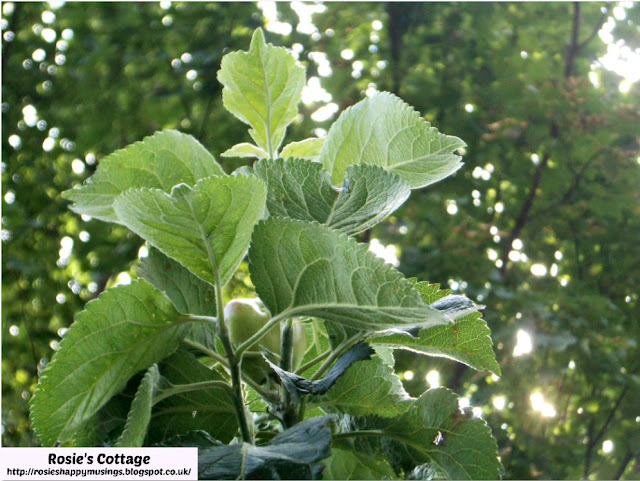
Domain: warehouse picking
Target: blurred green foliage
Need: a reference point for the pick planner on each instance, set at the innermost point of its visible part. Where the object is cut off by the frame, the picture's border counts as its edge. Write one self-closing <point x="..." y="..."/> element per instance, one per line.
<point x="550" y="186"/>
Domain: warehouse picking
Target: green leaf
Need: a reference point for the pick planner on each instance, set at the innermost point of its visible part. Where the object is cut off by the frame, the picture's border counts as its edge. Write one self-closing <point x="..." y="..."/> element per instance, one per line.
<point x="434" y="430"/>
<point x="160" y="161"/>
<point x="244" y="150"/>
<point x="125" y="330"/>
<point x="105" y="427"/>
<point x="468" y="340"/>
<point x="189" y="294"/>
<point x="349" y="464"/>
<point x="209" y="409"/>
<point x="308" y="149"/>
<point x="206" y="228"/>
<point x="368" y="387"/>
<point x="302" y="190"/>
<point x="383" y="130"/>
<point x="140" y="414"/>
<point x="302" y="268"/>
<point x="262" y="87"/>
<point x="292" y="454"/>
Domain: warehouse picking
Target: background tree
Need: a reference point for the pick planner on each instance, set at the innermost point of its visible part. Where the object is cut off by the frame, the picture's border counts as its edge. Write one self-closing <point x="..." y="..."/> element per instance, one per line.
<point x="548" y="238"/>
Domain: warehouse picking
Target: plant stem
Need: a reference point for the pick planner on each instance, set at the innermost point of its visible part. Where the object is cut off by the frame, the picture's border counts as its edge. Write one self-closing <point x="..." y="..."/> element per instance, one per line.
<point x="271" y="396"/>
<point x="234" y="366"/>
<point x="286" y="362"/>
<point x="194" y="386"/>
<point x="234" y="363"/>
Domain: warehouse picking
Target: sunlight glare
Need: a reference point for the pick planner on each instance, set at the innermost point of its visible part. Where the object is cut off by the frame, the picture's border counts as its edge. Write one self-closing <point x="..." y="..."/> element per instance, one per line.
<point x="538" y="270"/>
<point x="433" y="378"/>
<point x="499" y="402"/>
<point x="524" y="343"/>
<point x="388" y="253"/>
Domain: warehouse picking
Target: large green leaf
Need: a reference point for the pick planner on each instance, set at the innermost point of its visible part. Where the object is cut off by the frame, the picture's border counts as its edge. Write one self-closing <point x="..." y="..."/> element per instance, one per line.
<point x="368" y="387"/>
<point x="292" y="454"/>
<point x="301" y="268"/>
<point x="433" y="434"/>
<point x="206" y="227"/>
<point x="435" y="431"/>
<point x="302" y="190"/>
<point x="467" y="340"/>
<point x="262" y="87"/>
<point x="139" y="416"/>
<point x="383" y="130"/>
<point x="209" y="409"/>
<point x="350" y="464"/>
<point x="124" y="331"/>
<point x="160" y="161"/>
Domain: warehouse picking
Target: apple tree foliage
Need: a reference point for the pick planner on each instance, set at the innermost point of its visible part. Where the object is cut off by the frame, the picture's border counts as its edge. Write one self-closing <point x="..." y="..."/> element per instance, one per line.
<point x="165" y="339"/>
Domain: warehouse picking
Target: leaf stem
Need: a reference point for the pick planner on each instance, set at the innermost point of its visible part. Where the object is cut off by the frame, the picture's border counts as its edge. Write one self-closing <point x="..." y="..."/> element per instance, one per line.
<point x="182" y="388"/>
<point x="269" y="395"/>
<point x="336" y="353"/>
<point x="313" y="362"/>
<point x="197" y="318"/>
<point x="258" y="335"/>
<point x="205" y="350"/>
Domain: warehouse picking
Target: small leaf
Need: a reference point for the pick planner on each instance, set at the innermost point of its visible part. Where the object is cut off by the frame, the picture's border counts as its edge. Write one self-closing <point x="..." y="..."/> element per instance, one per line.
<point x="307" y="269"/>
<point x="382" y="130"/>
<point x="140" y="413"/>
<point x="302" y="190"/>
<point x="206" y="227"/>
<point x="292" y="454"/>
<point x="349" y="464"/>
<point x="160" y="161"/>
<point x="125" y="330"/>
<point x="307" y="149"/>
<point x="368" y="387"/>
<point x="262" y="87"/>
<point x="467" y="340"/>
<point x="244" y="150"/>
<point x="209" y="409"/>
<point x="298" y="386"/>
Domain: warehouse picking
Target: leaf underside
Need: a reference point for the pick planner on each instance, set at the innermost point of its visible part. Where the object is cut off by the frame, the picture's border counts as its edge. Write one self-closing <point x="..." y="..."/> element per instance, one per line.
<point x="160" y="161"/>
<point x="206" y="227"/>
<point x="385" y="131"/>
<point x="301" y="268"/>
<point x="302" y="190"/>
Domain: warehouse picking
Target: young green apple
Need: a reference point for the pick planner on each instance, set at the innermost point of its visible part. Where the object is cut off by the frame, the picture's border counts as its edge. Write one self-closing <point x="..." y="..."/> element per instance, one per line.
<point x="244" y="318"/>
